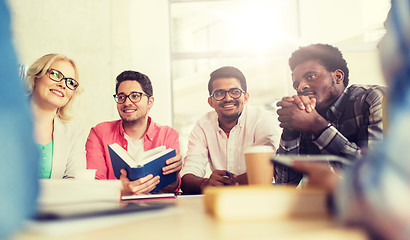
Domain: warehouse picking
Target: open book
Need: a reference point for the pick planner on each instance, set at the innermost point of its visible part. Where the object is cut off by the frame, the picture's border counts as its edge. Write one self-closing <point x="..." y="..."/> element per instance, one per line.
<point x="152" y="162"/>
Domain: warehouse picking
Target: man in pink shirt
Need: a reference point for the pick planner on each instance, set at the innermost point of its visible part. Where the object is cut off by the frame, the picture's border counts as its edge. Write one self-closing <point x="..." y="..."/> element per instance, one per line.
<point x="135" y="132"/>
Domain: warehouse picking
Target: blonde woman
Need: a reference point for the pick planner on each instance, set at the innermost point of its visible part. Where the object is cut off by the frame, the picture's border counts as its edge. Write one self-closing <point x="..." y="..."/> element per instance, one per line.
<point x="53" y="83"/>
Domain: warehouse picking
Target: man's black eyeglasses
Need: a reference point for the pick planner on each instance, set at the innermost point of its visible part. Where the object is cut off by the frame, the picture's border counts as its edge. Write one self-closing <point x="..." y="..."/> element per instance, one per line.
<point x="57" y="76"/>
<point x="133" y="96"/>
<point x="220" y="94"/>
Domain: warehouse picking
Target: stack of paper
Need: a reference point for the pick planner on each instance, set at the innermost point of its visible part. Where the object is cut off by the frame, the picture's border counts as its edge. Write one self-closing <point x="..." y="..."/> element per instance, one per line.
<point x="263" y="203"/>
<point x="66" y="191"/>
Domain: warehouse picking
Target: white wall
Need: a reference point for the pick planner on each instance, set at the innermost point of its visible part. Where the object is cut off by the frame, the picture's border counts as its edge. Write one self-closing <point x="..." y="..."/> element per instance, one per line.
<point x="104" y="37"/>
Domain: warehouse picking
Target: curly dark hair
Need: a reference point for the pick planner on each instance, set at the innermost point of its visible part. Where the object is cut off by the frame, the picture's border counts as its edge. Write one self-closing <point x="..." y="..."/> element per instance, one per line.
<point x="142" y="79"/>
<point x="330" y="57"/>
<point x="227" y="72"/>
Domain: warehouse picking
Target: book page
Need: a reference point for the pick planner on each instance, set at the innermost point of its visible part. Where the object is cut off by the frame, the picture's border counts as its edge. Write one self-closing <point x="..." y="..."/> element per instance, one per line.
<point x="124" y="155"/>
<point x="153" y="151"/>
<point x="155" y="156"/>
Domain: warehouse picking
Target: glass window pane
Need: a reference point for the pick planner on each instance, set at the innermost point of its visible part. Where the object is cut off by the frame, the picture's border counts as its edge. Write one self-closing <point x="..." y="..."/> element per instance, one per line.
<point x="258" y="37"/>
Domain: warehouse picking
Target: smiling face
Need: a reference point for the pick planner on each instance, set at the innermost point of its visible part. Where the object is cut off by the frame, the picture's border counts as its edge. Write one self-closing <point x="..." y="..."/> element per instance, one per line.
<point x="131" y="112"/>
<point x="52" y="95"/>
<point x="313" y="80"/>
<point x="228" y="109"/>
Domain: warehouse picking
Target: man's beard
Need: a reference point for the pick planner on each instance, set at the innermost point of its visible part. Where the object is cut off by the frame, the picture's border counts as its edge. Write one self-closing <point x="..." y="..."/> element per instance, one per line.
<point x="132" y="122"/>
<point x="230" y="116"/>
<point x="332" y="96"/>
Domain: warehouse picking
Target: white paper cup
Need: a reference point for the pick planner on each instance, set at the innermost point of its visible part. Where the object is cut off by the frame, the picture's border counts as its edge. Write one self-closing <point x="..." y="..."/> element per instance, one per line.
<point x="85" y="174"/>
<point x="259" y="167"/>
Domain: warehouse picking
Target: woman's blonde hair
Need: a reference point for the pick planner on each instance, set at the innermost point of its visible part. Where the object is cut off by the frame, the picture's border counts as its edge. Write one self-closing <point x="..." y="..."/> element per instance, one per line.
<point x="40" y="67"/>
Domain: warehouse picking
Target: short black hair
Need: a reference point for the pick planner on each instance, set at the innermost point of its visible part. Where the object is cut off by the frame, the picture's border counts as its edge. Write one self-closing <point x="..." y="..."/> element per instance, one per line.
<point x="227" y="72"/>
<point x="329" y="56"/>
<point x="142" y="79"/>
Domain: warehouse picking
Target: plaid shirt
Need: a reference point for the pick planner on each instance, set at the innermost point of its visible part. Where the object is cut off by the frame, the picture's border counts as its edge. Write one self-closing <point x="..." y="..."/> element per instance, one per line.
<point x="355" y="124"/>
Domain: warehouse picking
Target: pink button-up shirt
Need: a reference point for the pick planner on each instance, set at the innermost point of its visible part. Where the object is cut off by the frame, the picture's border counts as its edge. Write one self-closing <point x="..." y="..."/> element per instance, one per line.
<point x="107" y="133"/>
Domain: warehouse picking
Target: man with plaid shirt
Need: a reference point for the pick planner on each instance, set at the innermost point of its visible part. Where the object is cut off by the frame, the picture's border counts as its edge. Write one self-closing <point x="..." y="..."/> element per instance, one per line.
<point x="326" y="116"/>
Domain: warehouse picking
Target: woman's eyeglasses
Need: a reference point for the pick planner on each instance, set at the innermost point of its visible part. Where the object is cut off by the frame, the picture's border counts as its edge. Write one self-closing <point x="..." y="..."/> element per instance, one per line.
<point x="57" y="76"/>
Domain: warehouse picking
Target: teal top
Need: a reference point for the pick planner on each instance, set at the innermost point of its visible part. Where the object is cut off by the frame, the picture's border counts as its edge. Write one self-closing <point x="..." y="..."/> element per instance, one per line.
<point x="46" y="159"/>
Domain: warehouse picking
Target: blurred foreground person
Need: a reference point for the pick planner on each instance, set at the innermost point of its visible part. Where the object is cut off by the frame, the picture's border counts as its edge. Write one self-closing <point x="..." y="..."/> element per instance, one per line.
<point x="376" y="191"/>
<point x="19" y="157"/>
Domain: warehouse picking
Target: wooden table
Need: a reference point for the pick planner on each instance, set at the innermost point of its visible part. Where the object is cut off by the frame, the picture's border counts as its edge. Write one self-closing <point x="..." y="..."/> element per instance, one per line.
<point x="188" y="220"/>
